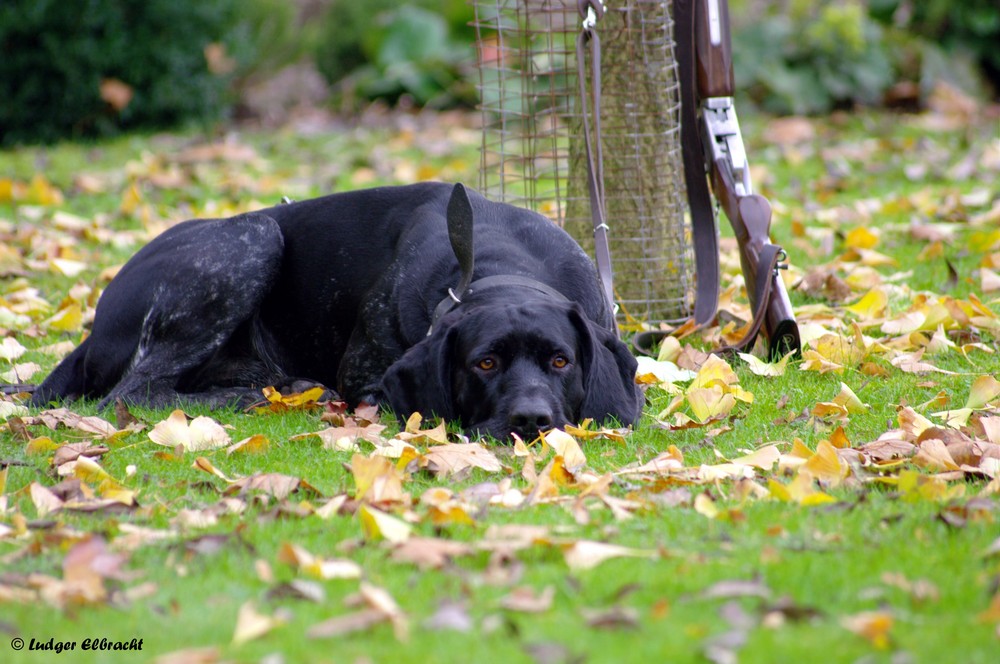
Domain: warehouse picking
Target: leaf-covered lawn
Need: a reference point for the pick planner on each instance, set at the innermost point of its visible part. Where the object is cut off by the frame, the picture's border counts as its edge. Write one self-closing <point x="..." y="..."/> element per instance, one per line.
<point x="841" y="506"/>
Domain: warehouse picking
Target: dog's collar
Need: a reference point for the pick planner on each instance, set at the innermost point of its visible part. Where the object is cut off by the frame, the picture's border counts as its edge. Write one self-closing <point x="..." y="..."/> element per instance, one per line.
<point x="494" y="281"/>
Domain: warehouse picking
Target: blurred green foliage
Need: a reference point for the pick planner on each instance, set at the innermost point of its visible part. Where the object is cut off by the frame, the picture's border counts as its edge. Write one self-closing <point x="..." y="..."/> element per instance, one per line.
<point x="272" y="35"/>
<point x="384" y="49"/>
<point x="55" y="55"/>
<point x="792" y="56"/>
<point x="968" y="27"/>
<point x="812" y="56"/>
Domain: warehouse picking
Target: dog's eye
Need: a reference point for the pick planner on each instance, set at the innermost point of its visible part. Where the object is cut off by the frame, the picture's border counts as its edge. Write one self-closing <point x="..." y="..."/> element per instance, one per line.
<point x="560" y="361"/>
<point x="487" y="364"/>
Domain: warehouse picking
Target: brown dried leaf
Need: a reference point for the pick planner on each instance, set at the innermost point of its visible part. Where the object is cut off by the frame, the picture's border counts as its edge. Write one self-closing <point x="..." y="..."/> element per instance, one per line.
<point x="435" y="436"/>
<point x="45" y="501"/>
<point x="346" y="624"/>
<point x="124" y="417"/>
<point x="665" y="463"/>
<point x="55" y="418"/>
<point x="345" y="438"/>
<point x="376" y="479"/>
<point x="380" y="600"/>
<point x="451" y="458"/>
<point x="912" y="423"/>
<point x="616" y="617"/>
<point x="914" y="363"/>
<point x="85" y="567"/>
<point x="991" y="428"/>
<point x="525" y="599"/>
<point x="73" y="451"/>
<point x="273" y="484"/>
<point x="920" y="590"/>
<point x="366" y="413"/>
<point x="203" y="464"/>
<point x="973" y="452"/>
<point x="933" y="455"/>
<point x="430" y="552"/>
<point x="513" y="537"/>
<point x="116" y="93"/>
<point x="311" y="591"/>
<point x="451" y="615"/>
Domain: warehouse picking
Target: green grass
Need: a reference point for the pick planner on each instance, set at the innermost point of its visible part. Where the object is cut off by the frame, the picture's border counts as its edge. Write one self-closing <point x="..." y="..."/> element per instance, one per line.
<point x="824" y="564"/>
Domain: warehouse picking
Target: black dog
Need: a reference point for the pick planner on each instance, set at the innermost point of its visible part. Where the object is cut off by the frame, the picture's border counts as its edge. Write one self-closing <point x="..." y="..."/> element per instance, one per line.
<point x="343" y="290"/>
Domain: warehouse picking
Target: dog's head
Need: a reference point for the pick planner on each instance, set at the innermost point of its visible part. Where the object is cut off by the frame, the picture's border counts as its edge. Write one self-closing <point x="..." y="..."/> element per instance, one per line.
<point x="516" y="368"/>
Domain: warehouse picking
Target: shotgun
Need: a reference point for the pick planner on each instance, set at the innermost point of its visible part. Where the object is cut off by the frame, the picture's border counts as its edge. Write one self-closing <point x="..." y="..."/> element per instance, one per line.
<point x="725" y="162"/>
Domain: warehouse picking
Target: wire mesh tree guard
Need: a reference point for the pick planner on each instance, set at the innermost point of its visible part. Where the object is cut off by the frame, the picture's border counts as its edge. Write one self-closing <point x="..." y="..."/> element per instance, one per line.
<point x="533" y="142"/>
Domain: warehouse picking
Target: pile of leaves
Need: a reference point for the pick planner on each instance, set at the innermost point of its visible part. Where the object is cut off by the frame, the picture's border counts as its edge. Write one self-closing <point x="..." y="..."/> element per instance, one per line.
<point x="839" y="502"/>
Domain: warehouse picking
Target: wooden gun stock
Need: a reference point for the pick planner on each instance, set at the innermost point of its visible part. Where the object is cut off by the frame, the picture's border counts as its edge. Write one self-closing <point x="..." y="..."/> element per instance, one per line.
<point x="728" y="170"/>
<point x="750" y="218"/>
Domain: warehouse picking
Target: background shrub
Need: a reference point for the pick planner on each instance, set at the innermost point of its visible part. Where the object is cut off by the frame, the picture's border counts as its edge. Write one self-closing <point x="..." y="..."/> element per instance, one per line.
<point x="812" y="56"/>
<point x="970" y="28"/>
<point x="55" y="54"/>
<point x="176" y="61"/>
<point x="386" y="49"/>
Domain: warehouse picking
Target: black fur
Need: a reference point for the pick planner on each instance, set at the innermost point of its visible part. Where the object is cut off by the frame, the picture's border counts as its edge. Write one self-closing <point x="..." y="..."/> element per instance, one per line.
<point x="341" y="290"/>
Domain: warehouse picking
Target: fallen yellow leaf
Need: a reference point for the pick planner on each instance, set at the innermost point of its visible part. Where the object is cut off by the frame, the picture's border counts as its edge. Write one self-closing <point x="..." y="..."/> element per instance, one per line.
<point x="849" y="400"/>
<point x="825" y="465"/>
<point x="68" y="319"/>
<point x="250" y="624"/>
<point x="874" y="626"/>
<point x="861" y="237"/>
<point x="984" y="390"/>
<point x="565" y="446"/>
<point x="376" y="524"/>
<point x="376" y="479"/>
<point x="710" y="403"/>
<point x="762" y="368"/>
<point x="871" y="306"/>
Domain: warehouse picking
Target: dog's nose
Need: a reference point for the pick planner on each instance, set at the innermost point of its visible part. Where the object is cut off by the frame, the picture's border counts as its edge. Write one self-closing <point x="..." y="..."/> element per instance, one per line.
<point x="529" y="416"/>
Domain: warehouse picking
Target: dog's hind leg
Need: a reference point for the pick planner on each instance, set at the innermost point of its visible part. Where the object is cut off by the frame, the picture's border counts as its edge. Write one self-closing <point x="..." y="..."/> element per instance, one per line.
<point x="193" y="288"/>
<point x="67" y="381"/>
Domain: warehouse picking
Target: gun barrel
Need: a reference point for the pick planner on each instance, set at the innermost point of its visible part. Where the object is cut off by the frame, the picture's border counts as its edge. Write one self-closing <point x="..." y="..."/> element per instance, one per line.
<point x="714" y="49"/>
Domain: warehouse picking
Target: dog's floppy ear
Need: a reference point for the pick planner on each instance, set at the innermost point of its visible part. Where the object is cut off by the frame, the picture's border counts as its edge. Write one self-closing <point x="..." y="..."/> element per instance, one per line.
<point x="609" y="373"/>
<point x="420" y="381"/>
